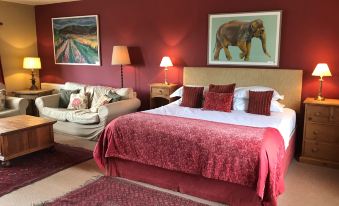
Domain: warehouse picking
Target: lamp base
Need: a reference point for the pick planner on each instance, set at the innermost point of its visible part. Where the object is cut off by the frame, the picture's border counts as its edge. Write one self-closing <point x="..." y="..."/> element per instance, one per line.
<point x="319" y="98"/>
<point x="33" y="87"/>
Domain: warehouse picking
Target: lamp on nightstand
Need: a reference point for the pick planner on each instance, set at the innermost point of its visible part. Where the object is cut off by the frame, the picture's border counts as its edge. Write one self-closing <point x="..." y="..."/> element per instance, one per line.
<point x="120" y="57"/>
<point x="166" y="62"/>
<point x="321" y="70"/>
<point x="32" y="63"/>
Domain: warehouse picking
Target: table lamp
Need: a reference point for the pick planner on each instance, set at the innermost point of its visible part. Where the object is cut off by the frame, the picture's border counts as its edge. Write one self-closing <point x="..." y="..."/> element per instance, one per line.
<point x="32" y="63"/>
<point x="321" y="70"/>
<point x="120" y="57"/>
<point x="166" y="62"/>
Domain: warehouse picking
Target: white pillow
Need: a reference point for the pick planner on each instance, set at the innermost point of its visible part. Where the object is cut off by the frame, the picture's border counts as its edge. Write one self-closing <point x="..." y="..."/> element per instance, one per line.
<point x="243" y="92"/>
<point x="242" y="104"/>
<point x="179" y="91"/>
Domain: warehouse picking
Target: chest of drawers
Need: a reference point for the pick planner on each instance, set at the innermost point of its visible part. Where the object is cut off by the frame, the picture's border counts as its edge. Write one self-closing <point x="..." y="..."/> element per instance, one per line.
<point x="321" y="132"/>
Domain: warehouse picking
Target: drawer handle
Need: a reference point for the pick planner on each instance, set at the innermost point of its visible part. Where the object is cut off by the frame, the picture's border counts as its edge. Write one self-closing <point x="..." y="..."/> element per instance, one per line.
<point x="317" y="114"/>
<point x="160" y="91"/>
<point x="315" y="132"/>
<point x="310" y="118"/>
<point x="315" y="149"/>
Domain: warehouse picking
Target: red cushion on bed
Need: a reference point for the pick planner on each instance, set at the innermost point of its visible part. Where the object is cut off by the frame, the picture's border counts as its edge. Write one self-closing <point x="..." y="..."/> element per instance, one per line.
<point x="260" y="102"/>
<point x="192" y="97"/>
<point x="229" y="88"/>
<point x="218" y="101"/>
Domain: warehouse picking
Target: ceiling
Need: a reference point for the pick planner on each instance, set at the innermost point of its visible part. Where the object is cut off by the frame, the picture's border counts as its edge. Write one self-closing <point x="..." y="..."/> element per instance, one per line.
<point x="38" y="2"/>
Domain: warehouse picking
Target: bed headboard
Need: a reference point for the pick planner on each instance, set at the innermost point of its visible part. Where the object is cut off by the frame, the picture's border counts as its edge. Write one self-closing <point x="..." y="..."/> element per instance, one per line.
<point x="286" y="81"/>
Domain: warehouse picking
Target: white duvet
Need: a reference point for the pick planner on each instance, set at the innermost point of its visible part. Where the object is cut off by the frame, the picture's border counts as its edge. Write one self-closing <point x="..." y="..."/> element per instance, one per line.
<point x="284" y="121"/>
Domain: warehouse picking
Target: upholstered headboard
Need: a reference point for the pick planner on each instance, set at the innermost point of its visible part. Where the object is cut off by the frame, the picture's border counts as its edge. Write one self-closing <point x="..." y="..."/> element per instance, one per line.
<point x="286" y="81"/>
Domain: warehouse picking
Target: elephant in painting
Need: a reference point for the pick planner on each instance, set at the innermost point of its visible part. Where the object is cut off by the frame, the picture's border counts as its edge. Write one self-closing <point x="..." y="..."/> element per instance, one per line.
<point x="237" y="33"/>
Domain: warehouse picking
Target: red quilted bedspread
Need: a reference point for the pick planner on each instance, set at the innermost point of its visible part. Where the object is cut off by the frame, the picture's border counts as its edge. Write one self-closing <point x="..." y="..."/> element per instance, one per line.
<point x="248" y="156"/>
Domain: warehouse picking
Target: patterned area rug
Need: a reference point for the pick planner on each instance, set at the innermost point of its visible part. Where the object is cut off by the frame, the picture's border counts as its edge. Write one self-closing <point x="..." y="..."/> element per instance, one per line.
<point x="36" y="166"/>
<point x="107" y="191"/>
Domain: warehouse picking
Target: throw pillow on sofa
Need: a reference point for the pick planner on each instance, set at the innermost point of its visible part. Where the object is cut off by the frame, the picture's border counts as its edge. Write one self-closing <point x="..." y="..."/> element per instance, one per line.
<point x="65" y="96"/>
<point x="2" y="99"/>
<point x="114" y="96"/>
<point x="101" y="101"/>
<point x="78" y="101"/>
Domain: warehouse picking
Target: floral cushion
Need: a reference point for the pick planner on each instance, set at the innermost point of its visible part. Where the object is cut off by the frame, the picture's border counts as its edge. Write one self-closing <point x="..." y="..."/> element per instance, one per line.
<point x="2" y="99"/>
<point x="78" y="101"/>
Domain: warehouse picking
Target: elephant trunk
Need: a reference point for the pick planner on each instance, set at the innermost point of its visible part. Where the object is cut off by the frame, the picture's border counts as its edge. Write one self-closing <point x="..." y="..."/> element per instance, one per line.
<point x="263" y="43"/>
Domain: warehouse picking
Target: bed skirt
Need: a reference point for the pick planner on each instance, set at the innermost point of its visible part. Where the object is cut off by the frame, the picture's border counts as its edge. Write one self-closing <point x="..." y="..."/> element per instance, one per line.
<point x="210" y="189"/>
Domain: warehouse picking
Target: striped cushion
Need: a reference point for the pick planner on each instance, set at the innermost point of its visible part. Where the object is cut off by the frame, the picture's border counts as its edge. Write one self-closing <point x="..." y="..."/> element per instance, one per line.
<point x="218" y="101"/>
<point x="192" y="97"/>
<point x="260" y="102"/>
<point x="229" y="88"/>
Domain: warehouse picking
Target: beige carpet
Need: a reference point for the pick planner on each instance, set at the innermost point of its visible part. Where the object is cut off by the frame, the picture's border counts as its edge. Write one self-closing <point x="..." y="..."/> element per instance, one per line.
<point x="305" y="184"/>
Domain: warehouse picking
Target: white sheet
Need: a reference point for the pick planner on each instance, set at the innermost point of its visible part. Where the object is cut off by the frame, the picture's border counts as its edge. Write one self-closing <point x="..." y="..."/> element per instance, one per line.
<point x="284" y="121"/>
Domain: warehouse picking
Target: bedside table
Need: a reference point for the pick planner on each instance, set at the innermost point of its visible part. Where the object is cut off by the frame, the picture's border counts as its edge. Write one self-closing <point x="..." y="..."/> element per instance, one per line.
<point x="31" y="95"/>
<point x="321" y="132"/>
<point x="160" y="94"/>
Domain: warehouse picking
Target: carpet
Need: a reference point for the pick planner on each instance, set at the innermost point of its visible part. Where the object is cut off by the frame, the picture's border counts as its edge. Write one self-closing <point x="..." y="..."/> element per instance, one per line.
<point x="109" y="191"/>
<point x="38" y="165"/>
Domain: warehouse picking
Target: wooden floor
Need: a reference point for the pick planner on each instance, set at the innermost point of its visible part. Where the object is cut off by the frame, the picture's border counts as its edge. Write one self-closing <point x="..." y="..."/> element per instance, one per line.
<point x="304" y="185"/>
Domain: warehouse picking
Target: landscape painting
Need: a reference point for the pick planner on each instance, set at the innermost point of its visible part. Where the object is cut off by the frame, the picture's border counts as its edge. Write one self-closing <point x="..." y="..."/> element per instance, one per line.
<point x="251" y="38"/>
<point x="76" y="40"/>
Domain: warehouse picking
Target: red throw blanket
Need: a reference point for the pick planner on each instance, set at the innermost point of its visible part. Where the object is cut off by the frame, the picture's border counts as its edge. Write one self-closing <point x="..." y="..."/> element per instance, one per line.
<point x="248" y="156"/>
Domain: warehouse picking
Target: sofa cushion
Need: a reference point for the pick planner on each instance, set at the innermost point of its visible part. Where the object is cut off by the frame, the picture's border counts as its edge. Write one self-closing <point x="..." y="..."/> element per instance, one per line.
<point x="55" y="113"/>
<point x="2" y="99"/>
<point x="74" y="86"/>
<point x="76" y="116"/>
<point x="114" y="96"/>
<point x="83" y="117"/>
<point x="78" y="101"/>
<point x="65" y="96"/>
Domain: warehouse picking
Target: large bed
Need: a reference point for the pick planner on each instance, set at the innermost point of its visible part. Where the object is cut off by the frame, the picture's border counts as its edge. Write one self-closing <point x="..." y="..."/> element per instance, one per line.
<point x="235" y="158"/>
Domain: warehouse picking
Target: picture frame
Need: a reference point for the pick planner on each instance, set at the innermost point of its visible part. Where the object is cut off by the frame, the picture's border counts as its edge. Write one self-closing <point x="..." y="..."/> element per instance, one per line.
<point x="76" y="40"/>
<point x="246" y="39"/>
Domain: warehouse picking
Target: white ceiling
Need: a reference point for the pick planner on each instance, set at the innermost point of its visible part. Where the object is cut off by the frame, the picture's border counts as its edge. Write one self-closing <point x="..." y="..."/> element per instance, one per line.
<point x="38" y="2"/>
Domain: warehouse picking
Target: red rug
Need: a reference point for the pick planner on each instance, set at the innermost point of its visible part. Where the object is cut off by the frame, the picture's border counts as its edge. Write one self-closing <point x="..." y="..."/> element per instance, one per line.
<point x="36" y="166"/>
<point x="117" y="192"/>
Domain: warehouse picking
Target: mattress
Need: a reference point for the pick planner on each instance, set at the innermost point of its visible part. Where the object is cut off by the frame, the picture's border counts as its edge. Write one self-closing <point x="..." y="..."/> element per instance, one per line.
<point x="284" y="121"/>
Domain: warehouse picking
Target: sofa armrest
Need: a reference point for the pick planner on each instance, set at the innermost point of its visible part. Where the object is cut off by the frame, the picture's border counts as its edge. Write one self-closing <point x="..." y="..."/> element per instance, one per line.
<point x="113" y="110"/>
<point x="19" y="104"/>
<point x="51" y="101"/>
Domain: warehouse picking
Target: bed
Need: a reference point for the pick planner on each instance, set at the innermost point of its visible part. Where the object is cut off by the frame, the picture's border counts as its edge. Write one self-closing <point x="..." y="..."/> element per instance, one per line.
<point x="186" y="150"/>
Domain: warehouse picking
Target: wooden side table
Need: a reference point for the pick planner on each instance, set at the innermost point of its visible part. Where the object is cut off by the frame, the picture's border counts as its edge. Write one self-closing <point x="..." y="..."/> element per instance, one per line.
<point x="321" y="132"/>
<point x="31" y="95"/>
<point x="160" y="94"/>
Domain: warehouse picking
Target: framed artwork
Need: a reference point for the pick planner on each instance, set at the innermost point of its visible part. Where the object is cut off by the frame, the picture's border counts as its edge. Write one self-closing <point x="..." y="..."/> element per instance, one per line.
<point x="76" y="40"/>
<point x="244" y="39"/>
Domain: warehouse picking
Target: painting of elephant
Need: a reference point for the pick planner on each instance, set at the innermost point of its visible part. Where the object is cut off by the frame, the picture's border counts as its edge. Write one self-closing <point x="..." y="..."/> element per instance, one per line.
<point x="237" y="33"/>
<point x="251" y="38"/>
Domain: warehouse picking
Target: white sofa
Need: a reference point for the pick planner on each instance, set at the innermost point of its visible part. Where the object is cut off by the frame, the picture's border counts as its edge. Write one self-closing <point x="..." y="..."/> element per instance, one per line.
<point x="74" y="121"/>
<point x="14" y="105"/>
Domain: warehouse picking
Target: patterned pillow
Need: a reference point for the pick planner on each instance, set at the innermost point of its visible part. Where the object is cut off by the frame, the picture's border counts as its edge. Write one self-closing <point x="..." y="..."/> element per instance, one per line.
<point x="218" y="101"/>
<point x="2" y="99"/>
<point x="101" y="101"/>
<point x="229" y="88"/>
<point x="65" y="96"/>
<point x="192" y="97"/>
<point x="260" y="102"/>
<point x="78" y="101"/>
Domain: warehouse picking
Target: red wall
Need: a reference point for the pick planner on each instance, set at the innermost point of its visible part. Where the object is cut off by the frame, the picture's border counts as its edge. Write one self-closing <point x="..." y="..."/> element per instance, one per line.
<point x="178" y="28"/>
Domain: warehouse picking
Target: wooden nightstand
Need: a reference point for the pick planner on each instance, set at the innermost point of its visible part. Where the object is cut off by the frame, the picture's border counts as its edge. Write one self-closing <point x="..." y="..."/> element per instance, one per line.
<point x="321" y="132"/>
<point x="31" y="95"/>
<point x="160" y="94"/>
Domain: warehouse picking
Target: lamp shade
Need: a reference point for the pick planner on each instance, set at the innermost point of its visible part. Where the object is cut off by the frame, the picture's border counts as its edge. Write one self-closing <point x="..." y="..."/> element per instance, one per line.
<point x="120" y="55"/>
<point x="166" y="62"/>
<point x="32" y="63"/>
<point x="322" y="70"/>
